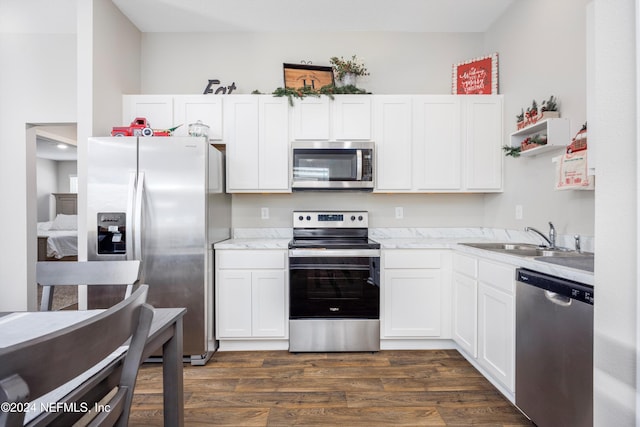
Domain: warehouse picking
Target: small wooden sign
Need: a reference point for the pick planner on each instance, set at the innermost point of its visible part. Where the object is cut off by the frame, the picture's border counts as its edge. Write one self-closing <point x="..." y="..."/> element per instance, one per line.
<point x="303" y="75"/>
<point x="478" y="76"/>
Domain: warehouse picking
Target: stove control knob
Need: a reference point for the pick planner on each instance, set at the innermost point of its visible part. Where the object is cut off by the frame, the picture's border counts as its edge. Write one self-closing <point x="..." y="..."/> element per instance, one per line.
<point x="300" y="218"/>
<point x="360" y="218"/>
<point x="353" y="218"/>
<point x="308" y="218"/>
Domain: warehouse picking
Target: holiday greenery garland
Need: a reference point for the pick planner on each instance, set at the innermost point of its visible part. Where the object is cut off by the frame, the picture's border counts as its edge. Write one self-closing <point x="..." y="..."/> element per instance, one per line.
<point x="328" y="90"/>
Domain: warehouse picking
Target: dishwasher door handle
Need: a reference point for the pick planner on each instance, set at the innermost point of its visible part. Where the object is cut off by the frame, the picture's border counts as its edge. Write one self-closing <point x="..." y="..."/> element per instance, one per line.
<point x="557" y="299"/>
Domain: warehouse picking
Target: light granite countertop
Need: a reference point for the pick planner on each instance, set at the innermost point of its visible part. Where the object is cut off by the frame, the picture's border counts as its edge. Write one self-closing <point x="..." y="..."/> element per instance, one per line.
<point x="253" y="243"/>
<point x="432" y="238"/>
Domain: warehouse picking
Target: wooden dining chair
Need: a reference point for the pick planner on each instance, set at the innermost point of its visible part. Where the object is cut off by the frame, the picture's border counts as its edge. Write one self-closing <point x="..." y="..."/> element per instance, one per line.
<point x="50" y="367"/>
<point x="52" y="273"/>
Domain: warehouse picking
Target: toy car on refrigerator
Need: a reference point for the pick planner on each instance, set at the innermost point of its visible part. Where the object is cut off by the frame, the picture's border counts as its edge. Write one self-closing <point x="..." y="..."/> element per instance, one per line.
<point x="140" y="127"/>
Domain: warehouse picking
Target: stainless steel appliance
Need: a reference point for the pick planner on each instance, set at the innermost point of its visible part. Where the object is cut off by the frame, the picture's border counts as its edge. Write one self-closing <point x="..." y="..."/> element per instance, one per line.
<point x="332" y="165"/>
<point x="161" y="200"/>
<point x="334" y="283"/>
<point x="554" y="350"/>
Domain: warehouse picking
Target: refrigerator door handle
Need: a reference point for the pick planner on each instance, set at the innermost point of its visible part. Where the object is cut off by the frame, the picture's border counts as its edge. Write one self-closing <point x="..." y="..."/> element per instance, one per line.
<point x="137" y="226"/>
<point x="130" y="213"/>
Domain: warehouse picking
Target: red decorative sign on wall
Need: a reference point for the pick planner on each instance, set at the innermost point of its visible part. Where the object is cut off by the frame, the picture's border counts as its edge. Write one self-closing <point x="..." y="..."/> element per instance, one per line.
<point x="478" y="76"/>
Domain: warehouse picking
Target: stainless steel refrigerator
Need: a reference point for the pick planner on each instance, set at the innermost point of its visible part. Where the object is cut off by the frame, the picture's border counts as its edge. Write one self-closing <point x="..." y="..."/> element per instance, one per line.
<point x="161" y="200"/>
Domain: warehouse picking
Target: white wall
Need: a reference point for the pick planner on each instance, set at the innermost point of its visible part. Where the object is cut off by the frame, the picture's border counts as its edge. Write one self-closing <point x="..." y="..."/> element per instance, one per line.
<point x="420" y="210"/>
<point x="398" y="62"/>
<point x="616" y="219"/>
<point x="47" y="183"/>
<point x="542" y="52"/>
<point x="66" y="169"/>
<point x="109" y="65"/>
<point x="38" y="85"/>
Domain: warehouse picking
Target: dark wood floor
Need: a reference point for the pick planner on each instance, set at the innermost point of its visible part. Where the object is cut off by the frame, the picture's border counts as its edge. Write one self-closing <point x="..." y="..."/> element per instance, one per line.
<point x="277" y="388"/>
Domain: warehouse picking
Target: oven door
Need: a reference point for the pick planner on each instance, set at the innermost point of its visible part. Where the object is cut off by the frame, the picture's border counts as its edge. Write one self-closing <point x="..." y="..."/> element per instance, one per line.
<point x="335" y="284"/>
<point x="331" y="165"/>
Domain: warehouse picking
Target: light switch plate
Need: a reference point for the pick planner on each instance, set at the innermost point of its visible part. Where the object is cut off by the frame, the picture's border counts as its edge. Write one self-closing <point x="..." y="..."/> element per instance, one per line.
<point x="518" y="211"/>
<point x="399" y="212"/>
<point x="264" y="213"/>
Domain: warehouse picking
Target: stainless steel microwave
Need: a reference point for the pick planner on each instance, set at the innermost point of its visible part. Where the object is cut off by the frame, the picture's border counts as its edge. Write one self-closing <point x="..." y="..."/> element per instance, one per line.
<point x="332" y="165"/>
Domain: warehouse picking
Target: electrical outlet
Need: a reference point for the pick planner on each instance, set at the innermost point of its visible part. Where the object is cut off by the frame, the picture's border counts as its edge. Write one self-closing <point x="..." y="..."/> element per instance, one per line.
<point x="264" y="213"/>
<point x="399" y="212"/>
<point x="518" y="211"/>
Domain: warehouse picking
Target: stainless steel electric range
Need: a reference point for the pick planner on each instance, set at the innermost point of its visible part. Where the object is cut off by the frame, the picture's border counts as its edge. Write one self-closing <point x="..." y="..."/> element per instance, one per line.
<point x="334" y="283"/>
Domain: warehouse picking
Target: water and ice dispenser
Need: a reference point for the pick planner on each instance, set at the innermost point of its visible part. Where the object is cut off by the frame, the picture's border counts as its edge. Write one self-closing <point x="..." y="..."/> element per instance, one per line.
<point x="112" y="233"/>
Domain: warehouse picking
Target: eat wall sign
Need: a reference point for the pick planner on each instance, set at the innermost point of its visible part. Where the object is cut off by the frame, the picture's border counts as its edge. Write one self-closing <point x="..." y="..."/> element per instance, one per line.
<point x="220" y="90"/>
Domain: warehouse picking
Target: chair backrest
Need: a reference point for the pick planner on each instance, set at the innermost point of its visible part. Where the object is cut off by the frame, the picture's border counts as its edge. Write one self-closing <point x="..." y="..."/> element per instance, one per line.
<point x="33" y="368"/>
<point x="51" y="273"/>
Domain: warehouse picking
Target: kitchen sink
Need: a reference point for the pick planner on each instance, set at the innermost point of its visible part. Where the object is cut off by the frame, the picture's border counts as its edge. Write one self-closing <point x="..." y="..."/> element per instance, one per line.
<point x="526" y="249"/>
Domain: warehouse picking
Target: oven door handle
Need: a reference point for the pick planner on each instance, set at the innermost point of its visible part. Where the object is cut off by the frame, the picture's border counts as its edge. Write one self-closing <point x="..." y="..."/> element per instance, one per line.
<point x="326" y="253"/>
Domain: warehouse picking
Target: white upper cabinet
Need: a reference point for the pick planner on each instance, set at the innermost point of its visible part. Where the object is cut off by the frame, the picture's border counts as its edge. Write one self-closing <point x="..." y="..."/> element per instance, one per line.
<point x="393" y="137"/>
<point x="256" y="135"/>
<point x="310" y="118"/>
<point x="157" y="109"/>
<point x="483" y="142"/>
<point x="273" y="144"/>
<point x="352" y="117"/>
<point x="168" y="111"/>
<point x="424" y="143"/>
<point x="188" y="109"/>
<point x="437" y="142"/>
<point x="345" y="117"/>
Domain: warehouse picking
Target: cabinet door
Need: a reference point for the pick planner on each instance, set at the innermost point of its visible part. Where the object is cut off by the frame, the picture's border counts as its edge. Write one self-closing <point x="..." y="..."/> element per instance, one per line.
<point x="412" y="305"/>
<point x="157" y="109"/>
<point x="273" y="147"/>
<point x="392" y="134"/>
<point x="310" y="118"/>
<point x="268" y="303"/>
<point x="189" y="109"/>
<point x="233" y="304"/>
<point x="352" y="117"/>
<point x="483" y="142"/>
<point x="465" y="297"/>
<point x="496" y="351"/>
<point x="241" y="136"/>
<point x="437" y="143"/>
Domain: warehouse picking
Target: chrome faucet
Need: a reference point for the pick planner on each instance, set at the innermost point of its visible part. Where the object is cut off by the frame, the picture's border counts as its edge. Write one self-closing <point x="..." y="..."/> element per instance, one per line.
<point x="551" y="240"/>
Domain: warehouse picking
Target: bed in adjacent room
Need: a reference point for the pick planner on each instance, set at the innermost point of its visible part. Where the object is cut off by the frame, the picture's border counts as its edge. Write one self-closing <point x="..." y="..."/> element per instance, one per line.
<point x="58" y="239"/>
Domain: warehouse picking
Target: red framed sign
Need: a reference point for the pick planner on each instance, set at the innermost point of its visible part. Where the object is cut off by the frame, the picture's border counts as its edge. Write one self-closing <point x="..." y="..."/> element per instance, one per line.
<point x="478" y="76"/>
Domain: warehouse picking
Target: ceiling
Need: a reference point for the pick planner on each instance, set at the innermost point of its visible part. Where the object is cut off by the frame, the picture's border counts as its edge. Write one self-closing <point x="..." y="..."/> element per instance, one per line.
<point x="59" y="16"/>
<point x="307" y="15"/>
<point x="57" y="142"/>
<point x="55" y="150"/>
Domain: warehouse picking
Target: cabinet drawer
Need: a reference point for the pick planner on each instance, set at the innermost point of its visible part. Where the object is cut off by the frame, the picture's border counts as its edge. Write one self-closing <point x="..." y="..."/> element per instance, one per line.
<point x="465" y="265"/>
<point x="498" y="275"/>
<point x="250" y="259"/>
<point x="411" y="258"/>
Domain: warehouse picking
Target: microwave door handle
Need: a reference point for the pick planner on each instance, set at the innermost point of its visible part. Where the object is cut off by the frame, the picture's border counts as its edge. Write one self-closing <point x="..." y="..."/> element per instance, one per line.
<point x="359" y="165"/>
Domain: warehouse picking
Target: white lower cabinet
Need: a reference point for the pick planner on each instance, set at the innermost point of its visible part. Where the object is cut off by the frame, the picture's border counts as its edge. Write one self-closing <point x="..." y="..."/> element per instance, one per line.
<point x="251" y="295"/>
<point x="415" y="294"/>
<point x="484" y="317"/>
<point x="496" y="321"/>
<point x="465" y="303"/>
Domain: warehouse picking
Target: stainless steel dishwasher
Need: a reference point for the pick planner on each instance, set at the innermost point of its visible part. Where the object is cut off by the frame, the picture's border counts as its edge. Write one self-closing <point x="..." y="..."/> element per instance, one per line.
<point x="554" y="350"/>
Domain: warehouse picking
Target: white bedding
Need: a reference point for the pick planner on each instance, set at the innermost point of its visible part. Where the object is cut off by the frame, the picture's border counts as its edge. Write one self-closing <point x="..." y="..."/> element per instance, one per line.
<point x="60" y="243"/>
